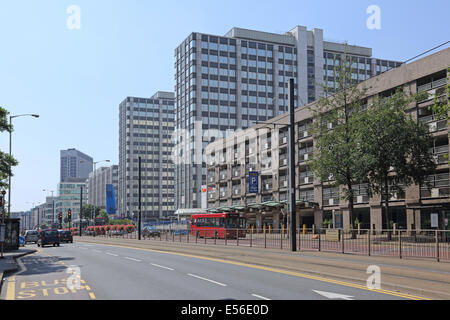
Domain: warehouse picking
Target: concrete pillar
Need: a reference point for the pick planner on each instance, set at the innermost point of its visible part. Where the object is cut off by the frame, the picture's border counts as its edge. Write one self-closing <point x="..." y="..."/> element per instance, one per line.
<point x="376" y="218"/>
<point x="409" y="219"/>
<point x="318" y="217"/>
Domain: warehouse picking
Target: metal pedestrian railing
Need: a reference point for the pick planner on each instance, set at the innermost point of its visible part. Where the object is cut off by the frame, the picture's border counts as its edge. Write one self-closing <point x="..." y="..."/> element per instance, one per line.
<point x="427" y="244"/>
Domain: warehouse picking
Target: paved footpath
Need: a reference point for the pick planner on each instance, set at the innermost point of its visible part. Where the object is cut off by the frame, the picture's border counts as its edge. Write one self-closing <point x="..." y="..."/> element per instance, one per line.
<point x="8" y="264"/>
<point x="423" y="278"/>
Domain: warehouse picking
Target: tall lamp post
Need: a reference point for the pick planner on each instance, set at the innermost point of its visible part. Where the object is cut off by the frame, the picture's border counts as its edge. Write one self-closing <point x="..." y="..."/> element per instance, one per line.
<point x="292" y="199"/>
<point x="10" y="153"/>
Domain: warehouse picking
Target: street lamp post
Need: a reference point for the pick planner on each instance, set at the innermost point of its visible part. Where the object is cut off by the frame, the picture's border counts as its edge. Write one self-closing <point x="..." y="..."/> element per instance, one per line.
<point x="10" y="153"/>
<point x="292" y="198"/>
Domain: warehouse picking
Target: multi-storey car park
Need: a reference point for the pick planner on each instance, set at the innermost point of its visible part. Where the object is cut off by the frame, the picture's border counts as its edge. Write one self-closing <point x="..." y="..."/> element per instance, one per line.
<point x="229" y="82"/>
<point x="264" y="150"/>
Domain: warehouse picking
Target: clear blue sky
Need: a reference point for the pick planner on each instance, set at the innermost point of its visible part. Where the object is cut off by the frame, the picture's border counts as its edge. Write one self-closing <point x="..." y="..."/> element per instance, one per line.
<point x="75" y="79"/>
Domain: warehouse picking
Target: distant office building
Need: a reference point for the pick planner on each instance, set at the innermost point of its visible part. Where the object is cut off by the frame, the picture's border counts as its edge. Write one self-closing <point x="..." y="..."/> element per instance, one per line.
<point x="69" y="198"/>
<point x="75" y="165"/>
<point x="230" y="82"/>
<point x="146" y="129"/>
<point x="97" y="182"/>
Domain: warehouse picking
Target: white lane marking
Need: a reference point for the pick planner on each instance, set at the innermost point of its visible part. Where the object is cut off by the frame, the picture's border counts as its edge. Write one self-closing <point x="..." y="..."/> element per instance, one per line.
<point x="158" y="266"/>
<point x="331" y="295"/>
<point x="111" y="254"/>
<point x="96" y="251"/>
<point x="132" y="259"/>
<point x="209" y="280"/>
<point x="260" y="297"/>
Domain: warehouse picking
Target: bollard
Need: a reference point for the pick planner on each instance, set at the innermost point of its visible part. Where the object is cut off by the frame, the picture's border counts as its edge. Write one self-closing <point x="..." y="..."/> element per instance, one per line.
<point x="320" y="249"/>
<point x="437" y="247"/>
<point x="304" y="229"/>
<point x="265" y="238"/>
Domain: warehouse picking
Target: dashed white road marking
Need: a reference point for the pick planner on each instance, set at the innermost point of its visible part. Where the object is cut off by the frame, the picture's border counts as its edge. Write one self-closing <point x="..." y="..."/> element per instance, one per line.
<point x="133" y="259"/>
<point x="209" y="280"/>
<point x="162" y="267"/>
<point x="260" y="297"/>
<point x="111" y="254"/>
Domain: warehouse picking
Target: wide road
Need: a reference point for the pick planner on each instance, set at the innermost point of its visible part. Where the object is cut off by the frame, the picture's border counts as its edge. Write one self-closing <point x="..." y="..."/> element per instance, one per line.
<point x="83" y="271"/>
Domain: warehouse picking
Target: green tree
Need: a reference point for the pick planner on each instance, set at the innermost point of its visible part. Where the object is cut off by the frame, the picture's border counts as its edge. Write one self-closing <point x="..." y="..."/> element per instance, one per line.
<point x="89" y="211"/>
<point x="441" y="105"/>
<point x="335" y="127"/>
<point x="6" y="161"/>
<point x="103" y="214"/>
<point x="394" y="147"/>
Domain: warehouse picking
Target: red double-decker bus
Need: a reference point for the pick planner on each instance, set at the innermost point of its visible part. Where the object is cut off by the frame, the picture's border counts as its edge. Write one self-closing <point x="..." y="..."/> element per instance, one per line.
<point x="219" y="226"/>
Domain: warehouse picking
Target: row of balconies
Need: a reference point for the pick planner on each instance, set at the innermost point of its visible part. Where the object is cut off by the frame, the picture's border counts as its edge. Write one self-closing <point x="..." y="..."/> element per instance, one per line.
<point x="437" y="186"/>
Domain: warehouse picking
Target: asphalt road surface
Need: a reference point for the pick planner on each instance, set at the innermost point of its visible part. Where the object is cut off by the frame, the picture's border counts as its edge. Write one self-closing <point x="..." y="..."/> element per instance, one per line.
<point x="100" y="272"/>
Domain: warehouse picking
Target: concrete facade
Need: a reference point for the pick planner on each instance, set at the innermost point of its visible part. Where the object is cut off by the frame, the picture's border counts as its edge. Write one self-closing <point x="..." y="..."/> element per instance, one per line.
<point x="230" y="82"/>
<point x="264" y="150"/>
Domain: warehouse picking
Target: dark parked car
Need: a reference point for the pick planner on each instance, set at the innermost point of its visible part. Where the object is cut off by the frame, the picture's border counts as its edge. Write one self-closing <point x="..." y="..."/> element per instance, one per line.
<point x="151" y="233"/>
<point x="65" y="236"/>
<point x="47" y="237"/>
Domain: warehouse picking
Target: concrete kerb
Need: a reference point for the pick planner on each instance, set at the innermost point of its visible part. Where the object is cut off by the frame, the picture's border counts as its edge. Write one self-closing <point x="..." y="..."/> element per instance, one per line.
<point x="401" y="288"/>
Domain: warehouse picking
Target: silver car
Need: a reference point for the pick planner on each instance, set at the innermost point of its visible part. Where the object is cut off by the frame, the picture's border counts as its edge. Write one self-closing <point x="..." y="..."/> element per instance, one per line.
<point x="31" y="236"/>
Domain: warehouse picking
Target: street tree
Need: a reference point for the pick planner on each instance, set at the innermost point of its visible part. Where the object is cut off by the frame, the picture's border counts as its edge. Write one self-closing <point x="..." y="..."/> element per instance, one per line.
<point x="6" y="161"/>
<point x="335" y="126"/>
<point x="394" y="147"/>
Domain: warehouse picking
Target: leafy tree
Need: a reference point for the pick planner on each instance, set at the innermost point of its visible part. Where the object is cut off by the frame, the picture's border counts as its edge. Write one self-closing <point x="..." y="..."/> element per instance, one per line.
<point x="394" y="147"/>
<point x="336" y="128"/>
<point x="89" y="211"/>
<point x="441" y="105"/>
<point x="103" y="214"/>
<point x="6" y="161"/>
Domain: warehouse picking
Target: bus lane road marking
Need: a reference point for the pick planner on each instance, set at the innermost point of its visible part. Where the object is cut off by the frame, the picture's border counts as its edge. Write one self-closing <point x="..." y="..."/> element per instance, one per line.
<point x="22" y="287"/>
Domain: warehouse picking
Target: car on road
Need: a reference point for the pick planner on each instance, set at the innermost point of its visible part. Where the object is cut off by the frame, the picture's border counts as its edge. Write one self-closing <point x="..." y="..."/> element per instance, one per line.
<point x="31" y="236"/>
<point x="151" y="232"/>
<point x="49" y="237"/>
<point x="65" y="236"/>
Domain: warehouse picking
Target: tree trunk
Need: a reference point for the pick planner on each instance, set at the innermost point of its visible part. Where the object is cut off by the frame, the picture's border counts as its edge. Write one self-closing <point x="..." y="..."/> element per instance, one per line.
<point x="350" y="210"/>
<point x="386" y="205"/>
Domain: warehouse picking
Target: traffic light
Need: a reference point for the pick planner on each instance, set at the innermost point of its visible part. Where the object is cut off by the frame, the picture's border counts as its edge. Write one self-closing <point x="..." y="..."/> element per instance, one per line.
<point x="69" y="215"/>
<point x="60" y="216"/>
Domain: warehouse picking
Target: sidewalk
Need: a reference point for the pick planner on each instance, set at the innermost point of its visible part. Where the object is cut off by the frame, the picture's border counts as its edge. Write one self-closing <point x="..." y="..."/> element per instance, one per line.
<point x="423" y="278"/>
<point x="8" y="263"/>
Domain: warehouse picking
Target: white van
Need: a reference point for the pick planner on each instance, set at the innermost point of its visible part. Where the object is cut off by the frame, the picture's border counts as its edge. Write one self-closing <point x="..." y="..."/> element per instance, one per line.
<point x="31" y="236"/>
